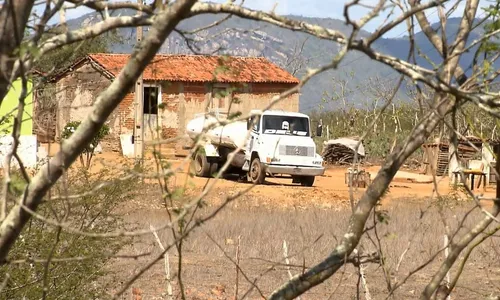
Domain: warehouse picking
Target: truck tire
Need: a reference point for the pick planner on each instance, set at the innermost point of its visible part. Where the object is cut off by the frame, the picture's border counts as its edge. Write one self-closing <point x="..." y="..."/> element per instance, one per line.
<point x="202" y="167"/>
<point x="256" y="174"/>
<point x="213" y="169"/>
<point x="307" y="180"/>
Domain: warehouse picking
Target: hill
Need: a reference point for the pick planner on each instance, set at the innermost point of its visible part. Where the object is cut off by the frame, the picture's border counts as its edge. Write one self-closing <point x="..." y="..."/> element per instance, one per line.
<point x="242" y="37"/>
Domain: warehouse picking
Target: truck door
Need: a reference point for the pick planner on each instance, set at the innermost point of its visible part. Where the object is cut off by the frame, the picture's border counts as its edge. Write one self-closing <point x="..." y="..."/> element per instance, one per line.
<point x="254" y="135"/>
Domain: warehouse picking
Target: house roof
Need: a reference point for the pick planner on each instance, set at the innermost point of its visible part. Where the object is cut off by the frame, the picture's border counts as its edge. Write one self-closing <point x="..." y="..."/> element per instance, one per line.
<point x="195" y="68"/>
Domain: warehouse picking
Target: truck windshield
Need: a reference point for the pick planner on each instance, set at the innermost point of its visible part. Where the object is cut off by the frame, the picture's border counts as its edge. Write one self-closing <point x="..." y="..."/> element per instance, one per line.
<point x="285" y="125"/>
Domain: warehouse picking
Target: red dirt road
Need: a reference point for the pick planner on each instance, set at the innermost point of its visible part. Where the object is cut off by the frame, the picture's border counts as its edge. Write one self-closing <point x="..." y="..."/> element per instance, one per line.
<point x="330" y="186"/>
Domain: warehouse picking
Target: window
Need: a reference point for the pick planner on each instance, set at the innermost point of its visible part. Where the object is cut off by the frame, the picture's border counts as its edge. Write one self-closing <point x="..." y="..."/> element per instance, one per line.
<point x="219" y="98"/>
<point x="285" y="125"/>
<point x="151" y="94"/>
<point x="256" y="126"/>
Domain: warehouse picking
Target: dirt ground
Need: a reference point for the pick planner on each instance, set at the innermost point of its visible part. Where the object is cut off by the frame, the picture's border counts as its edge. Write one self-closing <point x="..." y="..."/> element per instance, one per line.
<point x="330" y="186"/>
<point x="310" y="220"/>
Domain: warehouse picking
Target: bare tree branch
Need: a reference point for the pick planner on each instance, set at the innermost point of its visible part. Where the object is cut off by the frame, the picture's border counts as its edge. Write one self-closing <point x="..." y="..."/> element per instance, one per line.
<point x="106" y="5"/>
<point x="351" y="238"/>
<point x="456" y="249"/>
<point x="436" y="41"/>
<point x="14" y="16"/>
<point x="415" y="10"/>
<point x="105" y="104"/>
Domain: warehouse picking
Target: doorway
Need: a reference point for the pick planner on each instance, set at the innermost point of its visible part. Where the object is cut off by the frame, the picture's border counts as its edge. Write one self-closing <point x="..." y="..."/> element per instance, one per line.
<point x="151" y="101"/>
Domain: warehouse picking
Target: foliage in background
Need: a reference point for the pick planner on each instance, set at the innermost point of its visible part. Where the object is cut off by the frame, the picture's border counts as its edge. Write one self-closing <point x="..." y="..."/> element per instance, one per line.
<point x="392" y="125"/>
<point x="490" y="47"/>
<point x="355" y="122"/>
<point x="69" y="54"/>
<point x="76" y="278"/>
<point x="350" y="118"/>
<point x="90" y="149"/>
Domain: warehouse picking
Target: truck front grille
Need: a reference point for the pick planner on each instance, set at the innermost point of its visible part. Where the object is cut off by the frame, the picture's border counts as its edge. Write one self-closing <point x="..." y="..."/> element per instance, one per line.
<point x="296" y="150"/>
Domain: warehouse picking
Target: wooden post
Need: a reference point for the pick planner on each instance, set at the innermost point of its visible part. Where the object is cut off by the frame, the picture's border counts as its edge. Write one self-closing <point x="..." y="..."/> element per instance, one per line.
<point x="454" y="164"/>
<point x="487" y="158"/>
<point x="138" y="106"/>
<point x="287" y="262"/>
<point x="446" y="253"/>
<point x="238" y="254"/>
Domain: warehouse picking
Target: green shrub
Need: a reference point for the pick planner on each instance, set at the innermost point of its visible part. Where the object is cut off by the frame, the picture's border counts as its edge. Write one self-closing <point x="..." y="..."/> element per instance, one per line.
<point x="88" y="151"/>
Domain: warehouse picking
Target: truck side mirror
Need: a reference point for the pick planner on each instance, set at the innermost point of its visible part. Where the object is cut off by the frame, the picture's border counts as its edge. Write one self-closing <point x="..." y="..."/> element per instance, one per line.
<point x="249" y="123"/>
<point x="319" y="130"/>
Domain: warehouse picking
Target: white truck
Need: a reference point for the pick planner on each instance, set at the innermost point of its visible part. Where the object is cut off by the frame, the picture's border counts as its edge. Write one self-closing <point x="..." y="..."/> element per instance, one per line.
<point x="280" y="143"/>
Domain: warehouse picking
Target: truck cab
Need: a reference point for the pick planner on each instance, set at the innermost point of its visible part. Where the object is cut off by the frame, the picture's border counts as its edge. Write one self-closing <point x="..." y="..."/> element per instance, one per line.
<point x="281" y="143"/>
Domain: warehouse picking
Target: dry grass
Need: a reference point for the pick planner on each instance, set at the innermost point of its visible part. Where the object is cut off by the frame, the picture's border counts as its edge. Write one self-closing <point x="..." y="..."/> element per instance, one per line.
<point x="311" y="235"/>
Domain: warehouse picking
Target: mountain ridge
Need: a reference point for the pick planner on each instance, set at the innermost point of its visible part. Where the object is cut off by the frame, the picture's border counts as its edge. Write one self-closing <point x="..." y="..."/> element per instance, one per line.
<point x="242" y="37"/>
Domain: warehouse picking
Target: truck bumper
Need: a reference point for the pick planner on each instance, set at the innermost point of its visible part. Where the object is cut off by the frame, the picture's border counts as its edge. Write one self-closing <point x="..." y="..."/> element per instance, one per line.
<point x="299" y="171"/>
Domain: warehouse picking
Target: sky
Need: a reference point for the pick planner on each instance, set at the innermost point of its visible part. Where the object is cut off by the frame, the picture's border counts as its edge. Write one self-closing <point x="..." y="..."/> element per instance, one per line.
<point x="335" y="9"/>
<point x="318" y="8"/>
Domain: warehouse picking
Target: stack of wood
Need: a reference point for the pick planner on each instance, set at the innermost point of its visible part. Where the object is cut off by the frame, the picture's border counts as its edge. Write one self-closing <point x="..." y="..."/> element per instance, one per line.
<point x="465" y="153"/>
<point x="338" y="154"/>
<point x="442" y="161"/>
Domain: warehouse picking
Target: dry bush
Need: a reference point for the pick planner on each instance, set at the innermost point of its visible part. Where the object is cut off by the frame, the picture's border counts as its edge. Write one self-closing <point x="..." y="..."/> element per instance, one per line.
<point x="80" y="277"/>
<point x="309" y="234"/>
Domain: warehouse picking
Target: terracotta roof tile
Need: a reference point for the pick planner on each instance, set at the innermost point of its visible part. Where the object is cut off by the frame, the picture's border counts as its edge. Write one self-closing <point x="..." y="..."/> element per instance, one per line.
<point x="201" y="68"/>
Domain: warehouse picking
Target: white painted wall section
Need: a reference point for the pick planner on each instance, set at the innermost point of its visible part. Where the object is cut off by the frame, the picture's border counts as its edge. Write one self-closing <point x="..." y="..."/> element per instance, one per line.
<point x="27" y="150"/>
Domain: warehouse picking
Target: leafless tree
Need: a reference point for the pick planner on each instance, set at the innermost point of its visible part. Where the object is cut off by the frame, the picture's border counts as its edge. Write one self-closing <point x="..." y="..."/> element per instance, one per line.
<point x="297" y="61"/>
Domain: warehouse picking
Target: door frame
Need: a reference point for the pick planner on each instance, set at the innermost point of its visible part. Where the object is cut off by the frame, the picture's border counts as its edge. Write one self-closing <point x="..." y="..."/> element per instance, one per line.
<point x="158" y="113"/>
<point x="227" y="99"/>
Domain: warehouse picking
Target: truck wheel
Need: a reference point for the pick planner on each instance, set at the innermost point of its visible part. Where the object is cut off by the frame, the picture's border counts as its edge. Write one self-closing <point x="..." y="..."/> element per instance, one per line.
<point x="201" y="165"/>
<point x="213" y="169"/>
<point x="307" y="180"/>
<point x="256" y="174"/>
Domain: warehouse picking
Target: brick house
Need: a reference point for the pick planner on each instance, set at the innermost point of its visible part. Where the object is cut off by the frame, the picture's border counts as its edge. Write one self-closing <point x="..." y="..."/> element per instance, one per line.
<point x="176" y="87"/>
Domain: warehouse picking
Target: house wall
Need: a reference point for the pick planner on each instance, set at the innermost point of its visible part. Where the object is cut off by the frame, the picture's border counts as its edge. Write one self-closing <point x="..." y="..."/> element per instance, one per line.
<point x="76" y="93"/>
<point x="9" y="108"/>
<point x="181" y="101"/>
<point x="44" y="114"/>
<point x="189" y="99"/>
<point x="27" y="147"/>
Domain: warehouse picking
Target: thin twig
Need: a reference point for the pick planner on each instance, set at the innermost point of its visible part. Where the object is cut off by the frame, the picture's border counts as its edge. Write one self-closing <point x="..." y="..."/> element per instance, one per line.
<point x="47" y="265"/>
<point x="5" y="281"/>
